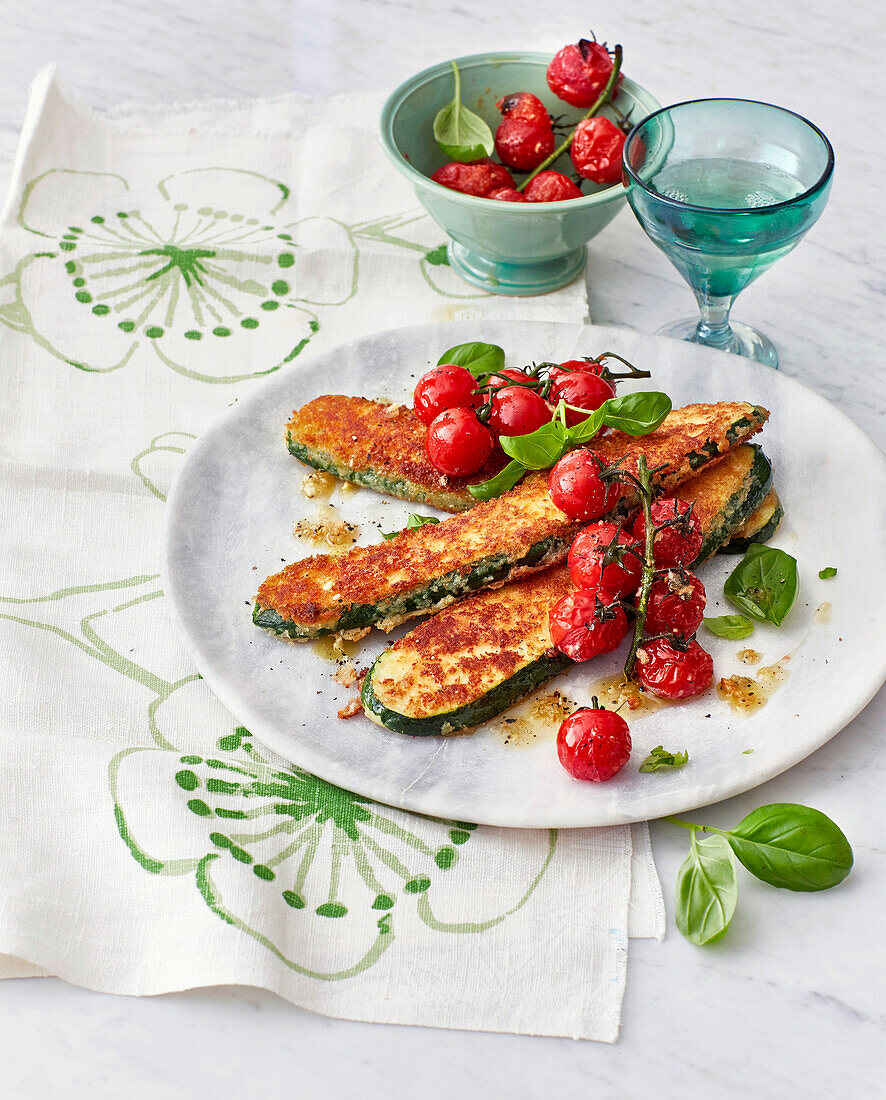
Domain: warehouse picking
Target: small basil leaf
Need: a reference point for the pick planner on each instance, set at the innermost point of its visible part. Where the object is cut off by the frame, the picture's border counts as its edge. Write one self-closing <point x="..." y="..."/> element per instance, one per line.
<point x="495" y="486"/>
<point x="475" y="357"/>
<point x="706" y="890"/>
<point x="793" y="847"/>
<point x="461" y="134"/>
<point x="585" y="430"/>
<point x="826" y="574"/>
<point x="660" y="758"/>
<point x="730" y="626"/>
<point x="539" y="449"/>
<point x="764" y="584"/>
<point x="414" y="521"/>
<point x="637" y="413"/>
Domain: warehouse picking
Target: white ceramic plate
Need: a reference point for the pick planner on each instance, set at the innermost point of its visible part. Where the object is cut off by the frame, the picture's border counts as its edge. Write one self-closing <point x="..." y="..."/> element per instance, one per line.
<point x="229" y="524"/>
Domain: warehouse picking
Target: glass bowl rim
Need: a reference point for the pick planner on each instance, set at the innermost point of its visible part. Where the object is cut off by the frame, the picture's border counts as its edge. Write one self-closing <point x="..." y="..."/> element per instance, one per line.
<point x="817" y="186"/>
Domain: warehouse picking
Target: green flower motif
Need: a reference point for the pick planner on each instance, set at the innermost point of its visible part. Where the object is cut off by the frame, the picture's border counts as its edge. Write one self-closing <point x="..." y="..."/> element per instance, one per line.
<point x="175" y="272"/>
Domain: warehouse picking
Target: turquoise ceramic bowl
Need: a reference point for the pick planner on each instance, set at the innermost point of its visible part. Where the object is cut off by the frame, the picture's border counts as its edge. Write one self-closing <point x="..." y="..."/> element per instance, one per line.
<point x="508" y="248"/>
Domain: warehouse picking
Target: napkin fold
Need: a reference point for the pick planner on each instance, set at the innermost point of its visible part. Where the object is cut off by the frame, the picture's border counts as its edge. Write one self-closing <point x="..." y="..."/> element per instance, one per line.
<point x="155" y="264"/>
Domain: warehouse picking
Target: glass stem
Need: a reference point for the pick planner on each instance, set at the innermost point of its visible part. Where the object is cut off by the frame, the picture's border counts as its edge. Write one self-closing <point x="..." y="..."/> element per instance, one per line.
<point x="713" y="329"/>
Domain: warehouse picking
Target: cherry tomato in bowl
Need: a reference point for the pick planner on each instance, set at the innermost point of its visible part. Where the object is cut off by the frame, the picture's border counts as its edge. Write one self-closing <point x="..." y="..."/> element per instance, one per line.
<point x="596" y="150"/>
<point x="604" y="556"/>
<point x="680" y="542"/>
<point x="578" y="72"/>
<point x="671" y="672"/>
<point x="585" y="624"/>
<point x="594" y="744"/>
<point x="578" y="488"/>
<point x="457" y="443"/>
<point x="445" y="387"/>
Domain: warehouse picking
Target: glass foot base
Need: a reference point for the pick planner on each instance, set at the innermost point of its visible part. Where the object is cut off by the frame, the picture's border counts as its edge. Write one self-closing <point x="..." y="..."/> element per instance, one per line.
<point x="516" y="279"/>
<point x="745" y="341"/>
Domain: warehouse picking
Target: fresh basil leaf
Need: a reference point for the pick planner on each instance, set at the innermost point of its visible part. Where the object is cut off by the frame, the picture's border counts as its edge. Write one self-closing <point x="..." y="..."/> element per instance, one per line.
<point x="505" y="479"/>
<point x="585" y="430"/>
<point x="476" y="357"/>
<point x="414" y="521"/>
<point x="764" y="584"/>
<point x="461" y="134"/>
<point x="637" y="413"/>
<point x="793" y="847"/>
<point x="730" y="626"/>
<point x="826" y="574"/>
<point x="539" y="449"/>
<point x="706" y="890"/>
<point x="660" y="758"/>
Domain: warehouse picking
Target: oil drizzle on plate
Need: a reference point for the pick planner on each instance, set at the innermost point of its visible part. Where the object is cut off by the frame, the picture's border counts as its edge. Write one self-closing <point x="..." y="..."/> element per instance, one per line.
<point x="746" y="694"/>
<point x="327" y="529"/>
<point x="536" y="719"/>
<point x="625" y="696"/>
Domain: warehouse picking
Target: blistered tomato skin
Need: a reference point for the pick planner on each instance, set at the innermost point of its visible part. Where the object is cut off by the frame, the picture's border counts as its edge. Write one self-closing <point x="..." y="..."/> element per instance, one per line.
<point x="621" y="575"/>
<point x="525" y="106"/>
<point x="577" y="488"/>
<point x="677" y="544"/>
<point x="578" y="73"/>
<point x="594" y="744"/>
<point x="551" y="187"/>
<point x="583" y="389"/>
<point x="457" y="443"/>
<point x="506" y="194"/>
<point x="517" y="410"/>
<point x="676" y="604"/>
<point x="585" y="624"/>
<point x="478" y="178"/>
<point x="670" y="673"/>
<point x="596" y="150"/>
<point x="441" y="388"/>
<point x="522" y="143"/>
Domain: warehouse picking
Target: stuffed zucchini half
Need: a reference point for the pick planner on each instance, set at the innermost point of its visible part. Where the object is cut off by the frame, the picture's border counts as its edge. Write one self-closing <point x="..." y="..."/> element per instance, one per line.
<point x="474" y="660"/>
<point x="428" y="568"/>
<point x="760" y="526"/>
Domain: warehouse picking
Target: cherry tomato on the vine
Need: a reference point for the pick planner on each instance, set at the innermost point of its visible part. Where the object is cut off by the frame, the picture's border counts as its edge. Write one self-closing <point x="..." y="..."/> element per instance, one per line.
<point x="578" y="73"/>
<point x="445" y="387"/>
<point x="586" y="624"/>
<point x="672" y="673"/>
<point x="577" y="487"/>
<point x="677" y="544"/>
<point x="551" y="187"/>
<point x="517" y="410"/>
<point x="524" y="105"/>
<point x="596" y="150"/>
<point x="506" y="194"/>
<point x="589" y="550"/>
<point x="676" y="604"/>
<point x="478" y="177"/>
<point x="581" y="388"/>
<point x="457" y="443"/>
<point x="594" y="744"/>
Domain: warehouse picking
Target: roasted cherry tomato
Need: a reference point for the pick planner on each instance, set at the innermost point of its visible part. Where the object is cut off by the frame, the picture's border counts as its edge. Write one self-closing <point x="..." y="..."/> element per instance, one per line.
<point x="676" y="604"/>
<point x="596" y="150"/>
<point x="594" y="744"/>
<point x="581" y="388"/>
<point x="525" y="106"/>
<point x="517" y="410"/>
<point x="506" y="194"/>
<point x="677" y="544"/>
<point x="586" y="624"/>
<point x="523" y="145"/>
<point x="578" y="73"/>
<point x="479" y="177"/>
<point x="603" y="556"/>
<point x="551" y="187"/>
<point x="672" y="673"/>
<point x="457" y="443"/>
<point x="441" y="388"/>
<point x="577" y="487"/>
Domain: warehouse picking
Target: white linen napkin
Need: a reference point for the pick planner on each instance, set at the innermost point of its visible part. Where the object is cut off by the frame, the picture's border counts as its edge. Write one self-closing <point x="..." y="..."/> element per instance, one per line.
<point x="154" y="265"/>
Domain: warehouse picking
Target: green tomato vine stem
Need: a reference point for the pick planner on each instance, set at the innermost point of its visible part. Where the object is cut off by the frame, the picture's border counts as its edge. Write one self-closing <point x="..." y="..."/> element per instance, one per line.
<point x="645" y="483"/>
<point x="601" y="99"/>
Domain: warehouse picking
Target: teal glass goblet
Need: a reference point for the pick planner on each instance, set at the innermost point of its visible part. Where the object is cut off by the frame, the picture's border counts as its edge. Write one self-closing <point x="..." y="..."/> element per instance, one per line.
<point x="724" y="187"/>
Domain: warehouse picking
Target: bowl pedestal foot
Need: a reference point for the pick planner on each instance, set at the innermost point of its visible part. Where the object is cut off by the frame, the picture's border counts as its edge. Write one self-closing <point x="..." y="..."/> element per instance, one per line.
<point x="516" y="279"/>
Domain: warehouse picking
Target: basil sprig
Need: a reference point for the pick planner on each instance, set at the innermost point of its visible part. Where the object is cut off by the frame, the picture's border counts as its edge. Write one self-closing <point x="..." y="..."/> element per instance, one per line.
<point x="730" y="626"/>
<point x="789" y="846"/>
<point x="764" y="584"/>
<point x="461" y="134"/>
<point x="414" y="520"/>
<point x="826" y="573"/>
<point x="635" y="414"/>
<point x="660" y="758"/>
<point x="476" y="357"/>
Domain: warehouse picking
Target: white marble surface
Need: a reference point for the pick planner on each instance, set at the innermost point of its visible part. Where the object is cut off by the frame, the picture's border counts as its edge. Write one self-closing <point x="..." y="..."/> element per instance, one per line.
<point x="791" y="1004"/>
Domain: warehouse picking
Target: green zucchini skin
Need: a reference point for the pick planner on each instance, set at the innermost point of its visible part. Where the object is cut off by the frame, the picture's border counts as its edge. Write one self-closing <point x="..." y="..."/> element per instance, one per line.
<point x="739" y="544"/>
<point x="506" y="694"/>
<point x="741" y="504"/>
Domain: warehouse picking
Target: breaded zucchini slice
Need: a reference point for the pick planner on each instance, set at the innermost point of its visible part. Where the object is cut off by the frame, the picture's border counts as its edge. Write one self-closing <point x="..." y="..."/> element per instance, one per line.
<point x="474" y="660"/>
<point x="429" y="567"/>
<point x="381" y="446"/>
<point x="760" y="526"/>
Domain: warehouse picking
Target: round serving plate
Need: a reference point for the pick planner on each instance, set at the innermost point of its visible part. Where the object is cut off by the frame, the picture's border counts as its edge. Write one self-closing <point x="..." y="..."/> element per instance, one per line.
<point x="229" y="524"/>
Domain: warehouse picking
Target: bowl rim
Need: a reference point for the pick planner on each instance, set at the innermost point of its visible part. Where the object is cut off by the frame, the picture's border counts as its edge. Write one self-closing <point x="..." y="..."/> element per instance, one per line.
<point x="819" y="184"/>
<point x="474" y="60"/>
